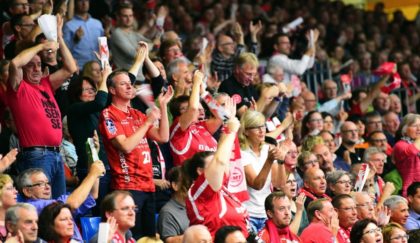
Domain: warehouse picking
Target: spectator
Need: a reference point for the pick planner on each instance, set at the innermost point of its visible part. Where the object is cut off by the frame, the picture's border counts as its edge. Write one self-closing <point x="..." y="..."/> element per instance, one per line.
<point x="180" y="77"/>
<point x="36" y="189"/>
<point x="57" y="223"/>
<point x="277" y="207"/>
<point x="366" y="230"/>
<point x="173" y="220"/>
<point x="260" y="170"/>
<point x="307" y="160"/>
<point x="118" y="209"/>
<point x="311" y="102"/>
<point x="323" y="220"/>
<point x="325" y="159"/>
<point x="128" y="139"/>
<point x="124" y="39"/>
<point x="399" y="209"/>
<point x="23" y="218"/>
<point x="413" y="197"/>
<point x="365" y="205"/>
<point x="24" y="29"/>
<point x="197" y="233"/>
<point x="239" y="85"/>
<point x="92" y="70"/>
<point x="373" y="122"/>
<point x="204" y="178"/>
<point x="391" y="124"/>
<point x="346" y="210"/>
<point x="170" y="50"/>
<point x="81" y="33"/>
<point x="382" y="103"/>
<point x="348" y="150"/>
<point x="339" y="182"/>
<point x="329" y="141"/>
<point x="396" y="105"/>
<point x="31" y="95"/>
<point x="8" y="195"/>
<point x="229" y="234"/>
<point x="406" y="150"/>
<point x="315" y="185"/>
<point x="393" y="232"/>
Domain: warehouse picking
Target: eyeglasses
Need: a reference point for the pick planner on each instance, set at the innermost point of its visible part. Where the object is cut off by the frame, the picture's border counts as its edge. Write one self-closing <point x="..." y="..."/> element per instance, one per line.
<point x="400" y="237"/>
<point x="10" y="188"/>
<point x="126" y="209"/>
<point x="40" y="184"/>
<point x="312" y="162"/>
<point x="344" y="182"/>
<point x="373" y="231"/>
<point x="27" y="25"/>
<point x="374" y="122"/>
<point x="316" y="120"/>
<point x="89" y="90"/>
<point x="351" y="131"/>
<point x="349" y="209"/>
<point x="378" y="140"/>
<point x="379" y="160"/>
<point x="262" y="127"/>
<point x="290" y="181"/>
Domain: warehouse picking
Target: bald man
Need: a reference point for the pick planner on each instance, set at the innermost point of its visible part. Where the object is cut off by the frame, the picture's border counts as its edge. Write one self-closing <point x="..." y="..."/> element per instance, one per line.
<point x="315" y="185"/>
<point x="348" y="150"/>
<point x="326" y="161"/>
<point x="197" y="233"/>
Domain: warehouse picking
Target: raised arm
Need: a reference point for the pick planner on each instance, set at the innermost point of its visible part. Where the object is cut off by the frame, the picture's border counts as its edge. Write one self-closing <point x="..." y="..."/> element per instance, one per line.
<point x="192" y="112"/>
<point x="69" y="64"/>
<point x="142" y="53"/>
<point x="374" y="92"/>
<point x="219" y="166"/>
<point x="161" y="133"/>
<point x="23" y="58"/>
<point x="257" y="181"/>
<point x="79" y="195"/>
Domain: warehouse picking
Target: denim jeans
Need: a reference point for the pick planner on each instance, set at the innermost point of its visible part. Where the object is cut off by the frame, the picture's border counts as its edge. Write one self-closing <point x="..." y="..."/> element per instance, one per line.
<point x="257" y="224"/>
<point x="52" y="165"/>
<point x="145" y="217"/>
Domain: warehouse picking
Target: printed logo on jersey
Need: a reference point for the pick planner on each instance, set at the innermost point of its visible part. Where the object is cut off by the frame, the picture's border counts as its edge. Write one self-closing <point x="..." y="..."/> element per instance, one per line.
<point x="237" y="98"/>
<point x="110" y="126"/>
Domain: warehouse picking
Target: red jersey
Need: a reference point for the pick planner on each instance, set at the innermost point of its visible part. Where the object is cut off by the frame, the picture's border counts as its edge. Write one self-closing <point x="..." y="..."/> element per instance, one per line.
<point x="214" y="209"/>
<point x="317" y="233"/>
<point x="36" y="113"/>
<point x="184" y="144"/>
<point x="132" y="171"/>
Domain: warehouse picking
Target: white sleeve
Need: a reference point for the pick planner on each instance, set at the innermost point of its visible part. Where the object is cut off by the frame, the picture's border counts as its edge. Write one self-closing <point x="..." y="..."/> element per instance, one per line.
<point x="297" y="67"/>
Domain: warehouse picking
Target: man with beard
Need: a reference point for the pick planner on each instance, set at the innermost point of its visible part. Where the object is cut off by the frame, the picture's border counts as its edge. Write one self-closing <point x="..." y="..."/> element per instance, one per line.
<point x="325" y="159"/>
<point x="324" y="223"/>
<point x="315" y="185"/>
<point x="348" y="150"/>
<point x="277" y="207"/>
<point x="346" y="210"/>
<point x="239" y="85"/>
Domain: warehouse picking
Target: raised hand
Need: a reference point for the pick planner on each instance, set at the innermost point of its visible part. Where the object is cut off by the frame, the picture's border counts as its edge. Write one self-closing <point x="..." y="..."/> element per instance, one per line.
<point x="230" y="107"/>
<point x="113" y="227"/>
<point x="233" y="124"/>
<point x="97" y="168"/>
<point x="300" y="201"/>
<point x="79" y="34"/>
<point x="153" y="115"/>
<point x="255" y="29"/>
<point x="165" y="98"/>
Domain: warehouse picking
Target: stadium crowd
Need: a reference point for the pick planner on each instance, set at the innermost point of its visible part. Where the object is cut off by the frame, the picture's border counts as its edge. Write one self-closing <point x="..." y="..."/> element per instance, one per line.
<point x="214" y="121"/>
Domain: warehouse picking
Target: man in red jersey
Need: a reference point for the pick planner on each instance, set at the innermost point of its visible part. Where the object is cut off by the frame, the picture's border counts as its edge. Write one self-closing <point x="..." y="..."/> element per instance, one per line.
<point x="125" y="131"/>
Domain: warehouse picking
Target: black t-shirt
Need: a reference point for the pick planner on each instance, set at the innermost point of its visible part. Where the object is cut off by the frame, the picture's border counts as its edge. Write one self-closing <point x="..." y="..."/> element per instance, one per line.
<point x="240" y="93"/>
<point x="355" y="157"/>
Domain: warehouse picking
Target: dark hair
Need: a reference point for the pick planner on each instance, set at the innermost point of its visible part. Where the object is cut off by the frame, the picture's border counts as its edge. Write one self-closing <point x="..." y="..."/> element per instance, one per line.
<point x="414" y="236"/>
<point x="174" y="174"/>
<point x="314" y="206"/>
<point x="166" y="44"/>
<point x="369" y="137"/>
<point x="371" y="115"/>
<point x="16" y="20"/>
<point x="412" y="189"/>
<point x="305" y="120"/>
<point x="123" y="5"/>
<point x="325" y="114"/>
<point x="356" y="233"/>
<point x="108" y="203"/>
<point x="46" y="220"/>
<point x="223" y="232"/>
<point x="175" y="104"/>
<point x="268" y="203"/>
<point x="75" y="88"/>
<point x="190" y="166"/>
<point x="336" y="202"/>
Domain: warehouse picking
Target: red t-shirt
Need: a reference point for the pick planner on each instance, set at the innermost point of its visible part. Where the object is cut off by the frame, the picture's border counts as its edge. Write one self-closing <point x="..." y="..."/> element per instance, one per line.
<point x="184" y="144"/>
<point x="35" y="113"/>
<point x="132" y="171"/>
<point x="214" y="209"/>
<point x="317" y="233"/>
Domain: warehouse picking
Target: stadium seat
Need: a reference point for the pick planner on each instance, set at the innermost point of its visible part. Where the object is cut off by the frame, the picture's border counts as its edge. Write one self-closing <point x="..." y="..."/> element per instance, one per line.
<point x="89" y="226"/>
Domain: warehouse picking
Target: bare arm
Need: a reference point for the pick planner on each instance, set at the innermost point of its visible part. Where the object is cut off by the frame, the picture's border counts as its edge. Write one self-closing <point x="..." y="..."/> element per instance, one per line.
<point x="79" y="195"/>
<point x="257" y="181"/>
<point x="142" y="52"/>
<point x="69" y="64"/>
<point x="174" y="239"/>
<point x="295" y="225"/>
<point x="161" y="134"/>
<point x="192" y="112"/>
<point x="376" y="90"/>
<point x="8" y="159"/>
<point x="219" y="166"/>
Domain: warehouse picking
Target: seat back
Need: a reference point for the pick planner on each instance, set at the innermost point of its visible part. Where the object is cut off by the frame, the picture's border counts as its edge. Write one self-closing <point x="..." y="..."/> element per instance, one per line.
<point x="90" y="226"/>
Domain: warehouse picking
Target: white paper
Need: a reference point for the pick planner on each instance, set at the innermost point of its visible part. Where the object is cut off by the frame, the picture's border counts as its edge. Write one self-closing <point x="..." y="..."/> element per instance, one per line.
<point x="292" y="25"/>
<point x="103" y="50"/>
<point x="361" y="177"/>
<point x="48" y="25"/>
<point x="103" y="232"/>
<point x="204" y="44"/>
<point x="91" y="143"/>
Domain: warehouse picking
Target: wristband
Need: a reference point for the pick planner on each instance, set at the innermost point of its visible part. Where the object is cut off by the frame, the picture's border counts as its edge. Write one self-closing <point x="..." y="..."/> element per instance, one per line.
<point x="280" y="161"/>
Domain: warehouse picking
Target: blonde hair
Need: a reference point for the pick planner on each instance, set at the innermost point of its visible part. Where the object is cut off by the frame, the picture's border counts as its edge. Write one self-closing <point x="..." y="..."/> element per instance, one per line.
<point x="246" y="58"/>
<point x="249" y="119"/>
<point x="388" y="229"/>
<point x="310" y="141"/>
<point x="4" y="179"/>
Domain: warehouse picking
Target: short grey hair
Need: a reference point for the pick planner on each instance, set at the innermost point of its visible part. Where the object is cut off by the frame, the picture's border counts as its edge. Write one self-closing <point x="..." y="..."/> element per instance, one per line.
<point x="408" y="120"/>
<point x="24" y="179"/>
<point x="334" y="176"/>
<point x="173" y="66"/>
<point x="394" y="200"/>
<point x="12" y="212"/>
<point x="372" y="150"/>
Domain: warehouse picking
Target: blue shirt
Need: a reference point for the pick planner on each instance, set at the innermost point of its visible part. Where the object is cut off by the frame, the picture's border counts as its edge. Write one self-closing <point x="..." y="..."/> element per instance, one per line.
<point x="89" y="203"/>
<point x="83" y="51"/>
<point x="413" y="221"/>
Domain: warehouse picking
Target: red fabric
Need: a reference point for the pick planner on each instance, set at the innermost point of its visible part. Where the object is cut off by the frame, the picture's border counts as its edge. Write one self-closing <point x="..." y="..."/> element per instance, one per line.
<point x="309" y="194"/>
<point x="317" y="233"/>
<point x="118" y="238"/>
<point x="214" y="209"/>
<point x="237" y="182"/>
<point x="184" y="144"/>
<point x="270" y="233"/>
<point x="132" y="171"/>
<point x="343" y="235"/>
<point x="36" y="114"/>
<point x="407" y="161"/>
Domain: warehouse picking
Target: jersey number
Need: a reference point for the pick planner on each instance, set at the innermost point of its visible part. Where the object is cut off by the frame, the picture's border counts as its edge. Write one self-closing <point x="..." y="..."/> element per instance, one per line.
<point x="146" y="157"/>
